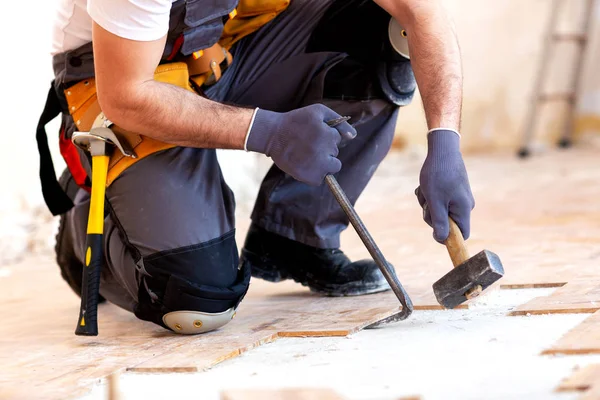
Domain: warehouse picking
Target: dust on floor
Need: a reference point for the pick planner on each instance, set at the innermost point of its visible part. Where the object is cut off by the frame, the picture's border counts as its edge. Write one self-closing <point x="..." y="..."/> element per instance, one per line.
<point x="479" y="353"/>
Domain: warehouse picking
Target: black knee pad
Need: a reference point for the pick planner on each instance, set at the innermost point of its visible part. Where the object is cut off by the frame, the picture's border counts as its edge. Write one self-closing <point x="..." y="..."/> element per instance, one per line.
<point x="194" y="288"/>
<point x="373" y="69"/>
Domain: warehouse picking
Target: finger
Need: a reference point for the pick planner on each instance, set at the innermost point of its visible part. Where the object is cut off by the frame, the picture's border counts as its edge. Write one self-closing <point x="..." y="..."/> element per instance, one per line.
<point x="333" y="166"/>
<point x="427" y="215"/>
<point x="439" y="220"/>
<point x="334" y="151"/>
<point x="346" y="131"/>
<point x="336" y="121"/>
<point x="460" y="212"/>
<point x="335" y="137"/>
<point x="420" y="197"/>
<point x="423" y="204"/>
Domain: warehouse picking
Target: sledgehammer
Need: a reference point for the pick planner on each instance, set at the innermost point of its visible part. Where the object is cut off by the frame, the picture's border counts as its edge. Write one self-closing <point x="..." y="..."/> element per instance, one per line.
<point x="470" y="276"/>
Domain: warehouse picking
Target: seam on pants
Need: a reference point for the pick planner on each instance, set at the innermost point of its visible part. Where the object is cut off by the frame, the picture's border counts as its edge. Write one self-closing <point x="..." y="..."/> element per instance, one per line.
<point x="137" y="255"/>
<point x="134" y="251"/>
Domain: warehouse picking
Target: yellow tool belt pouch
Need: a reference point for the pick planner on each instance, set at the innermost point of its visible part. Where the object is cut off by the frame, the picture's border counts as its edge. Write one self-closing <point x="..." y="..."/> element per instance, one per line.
<point x="84" y="108"/>
<point x="204" y="69"/>
<point x="247" y="18"/>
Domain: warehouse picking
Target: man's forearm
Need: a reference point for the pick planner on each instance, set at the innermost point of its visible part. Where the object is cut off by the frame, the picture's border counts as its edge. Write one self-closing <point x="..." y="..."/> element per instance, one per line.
<point x="174" y="115"/>
<point x="435" y="58"/>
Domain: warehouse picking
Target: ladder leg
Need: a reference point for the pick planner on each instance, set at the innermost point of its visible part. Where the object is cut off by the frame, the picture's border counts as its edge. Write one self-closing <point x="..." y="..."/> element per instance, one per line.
<point x="567" y="133"/>
<point x="530" y="119"/>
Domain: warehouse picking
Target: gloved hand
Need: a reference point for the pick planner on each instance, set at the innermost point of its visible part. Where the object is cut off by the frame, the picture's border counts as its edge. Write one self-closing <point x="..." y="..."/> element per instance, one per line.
<point x="444" y="188"/>
<point x="300" y="142"/>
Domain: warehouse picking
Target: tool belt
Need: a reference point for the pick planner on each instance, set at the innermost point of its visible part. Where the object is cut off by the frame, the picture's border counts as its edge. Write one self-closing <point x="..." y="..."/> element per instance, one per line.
<point x="207" y="66"/>
<point x="84" y="108"/>
<point x="195" y="72"/>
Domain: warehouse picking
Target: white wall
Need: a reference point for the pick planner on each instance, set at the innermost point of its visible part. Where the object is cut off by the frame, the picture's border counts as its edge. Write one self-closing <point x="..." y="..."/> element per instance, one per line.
<point x="501" y="45"/>
<point x="26" y="72"/>
<point x="500" y="41"/>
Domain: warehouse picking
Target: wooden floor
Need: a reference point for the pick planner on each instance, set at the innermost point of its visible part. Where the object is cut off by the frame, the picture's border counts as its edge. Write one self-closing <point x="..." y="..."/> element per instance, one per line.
<point x="585" y="380"/>
<point x="541" y="216"/>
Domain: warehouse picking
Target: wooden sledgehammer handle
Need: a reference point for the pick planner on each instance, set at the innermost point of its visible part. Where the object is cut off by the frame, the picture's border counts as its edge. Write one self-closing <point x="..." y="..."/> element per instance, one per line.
<point x="456" y="245"/>
<point x="459" y="254"/>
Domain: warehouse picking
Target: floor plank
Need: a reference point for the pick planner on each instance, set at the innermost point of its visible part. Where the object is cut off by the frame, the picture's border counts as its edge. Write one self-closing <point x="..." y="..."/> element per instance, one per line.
<point x="39" y="351"/>
<point x="585" y="380"/>
<point x="262" y="320"/>
<point x="583" y="339"/>
<point x="541" y="217"/>
<point x="581" y="296"/>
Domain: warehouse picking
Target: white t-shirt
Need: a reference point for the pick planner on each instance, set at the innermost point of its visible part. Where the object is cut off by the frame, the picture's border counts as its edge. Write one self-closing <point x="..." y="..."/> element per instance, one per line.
<point x="143" y="20"/>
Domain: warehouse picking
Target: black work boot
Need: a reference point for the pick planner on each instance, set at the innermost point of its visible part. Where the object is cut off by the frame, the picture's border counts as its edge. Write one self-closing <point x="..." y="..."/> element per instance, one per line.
<point x="327" y="271"/>
<point x="71" y="269"/>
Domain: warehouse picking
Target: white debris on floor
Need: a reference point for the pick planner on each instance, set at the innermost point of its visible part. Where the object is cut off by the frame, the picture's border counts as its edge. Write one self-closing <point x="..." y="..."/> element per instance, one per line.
<point x="480" y="353"/>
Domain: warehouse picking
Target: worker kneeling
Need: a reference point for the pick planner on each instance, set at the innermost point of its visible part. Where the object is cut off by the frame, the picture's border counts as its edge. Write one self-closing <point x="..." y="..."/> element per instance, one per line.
<point x="180" y="79"/>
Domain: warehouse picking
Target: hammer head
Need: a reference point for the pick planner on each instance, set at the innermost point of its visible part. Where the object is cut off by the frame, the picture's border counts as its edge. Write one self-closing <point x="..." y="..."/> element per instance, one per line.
<point x="100" y="141"/>
<point x="482" y="269"/>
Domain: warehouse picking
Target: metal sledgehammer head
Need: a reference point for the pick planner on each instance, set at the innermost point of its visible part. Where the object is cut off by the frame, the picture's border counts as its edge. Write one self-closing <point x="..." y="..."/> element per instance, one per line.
<point x="468" y="279"/>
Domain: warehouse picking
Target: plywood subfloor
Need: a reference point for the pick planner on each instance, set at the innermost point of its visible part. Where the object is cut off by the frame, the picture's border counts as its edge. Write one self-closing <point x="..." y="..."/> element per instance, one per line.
<point x="585" y="380"/>
<point x="540" y="216"/>
<point x="42" y="358"/>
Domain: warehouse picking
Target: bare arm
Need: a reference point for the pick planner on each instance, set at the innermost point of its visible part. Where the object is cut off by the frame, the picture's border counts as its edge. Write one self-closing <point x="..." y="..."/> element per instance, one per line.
<point x="435" y="58"/>
<point x="132" y="99"/>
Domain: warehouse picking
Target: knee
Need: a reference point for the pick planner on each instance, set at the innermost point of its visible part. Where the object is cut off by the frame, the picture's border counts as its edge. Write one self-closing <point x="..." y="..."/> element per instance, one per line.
<point x="195" y="322"/>
<point x="193" y="290"/>
<point x="194" y="307"/>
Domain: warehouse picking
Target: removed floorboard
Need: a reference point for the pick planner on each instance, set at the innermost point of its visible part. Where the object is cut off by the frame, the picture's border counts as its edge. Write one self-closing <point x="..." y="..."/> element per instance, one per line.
<point x="585" y="380"/>
<point x="581" y="296"/>
<point x="583" y="339"/>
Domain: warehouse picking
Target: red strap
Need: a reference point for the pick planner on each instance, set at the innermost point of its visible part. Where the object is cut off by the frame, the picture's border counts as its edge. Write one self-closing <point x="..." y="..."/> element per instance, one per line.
<point x="71" y="157"/>
<point x="176" y="46"/>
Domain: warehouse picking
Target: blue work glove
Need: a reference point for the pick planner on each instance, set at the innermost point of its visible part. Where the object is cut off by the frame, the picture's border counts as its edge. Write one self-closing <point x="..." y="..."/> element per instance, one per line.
<point x="444" y="188"/>
<point x="300" y="142"/>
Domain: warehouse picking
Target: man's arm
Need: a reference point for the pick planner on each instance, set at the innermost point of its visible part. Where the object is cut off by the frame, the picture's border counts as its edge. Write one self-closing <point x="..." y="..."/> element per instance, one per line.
<point x="435" y="58"/>
<point x="299" y="142"/>
<point x="444" y="190"/>
<point x="131" y="98"/>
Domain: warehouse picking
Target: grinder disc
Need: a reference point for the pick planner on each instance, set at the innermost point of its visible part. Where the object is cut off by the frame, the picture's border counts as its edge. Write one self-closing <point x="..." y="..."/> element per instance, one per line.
<point x="397" y="36"/>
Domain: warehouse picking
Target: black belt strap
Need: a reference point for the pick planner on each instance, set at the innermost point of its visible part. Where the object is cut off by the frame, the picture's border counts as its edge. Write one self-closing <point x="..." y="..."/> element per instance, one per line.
<point x="55" y="197"/>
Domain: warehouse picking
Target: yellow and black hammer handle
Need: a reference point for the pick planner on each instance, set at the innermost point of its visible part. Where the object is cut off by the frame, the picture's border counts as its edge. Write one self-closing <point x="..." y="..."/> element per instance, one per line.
<point x="87" y="324"/>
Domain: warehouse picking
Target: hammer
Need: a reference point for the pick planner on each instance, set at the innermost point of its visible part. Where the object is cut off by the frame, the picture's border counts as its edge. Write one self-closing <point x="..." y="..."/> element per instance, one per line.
<point x="98" y="142"/>
<point x="470" y="276"/>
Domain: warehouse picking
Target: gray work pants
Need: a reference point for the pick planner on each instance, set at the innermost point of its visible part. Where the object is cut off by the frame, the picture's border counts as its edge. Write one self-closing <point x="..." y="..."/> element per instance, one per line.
<point x="174" y="209"/>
